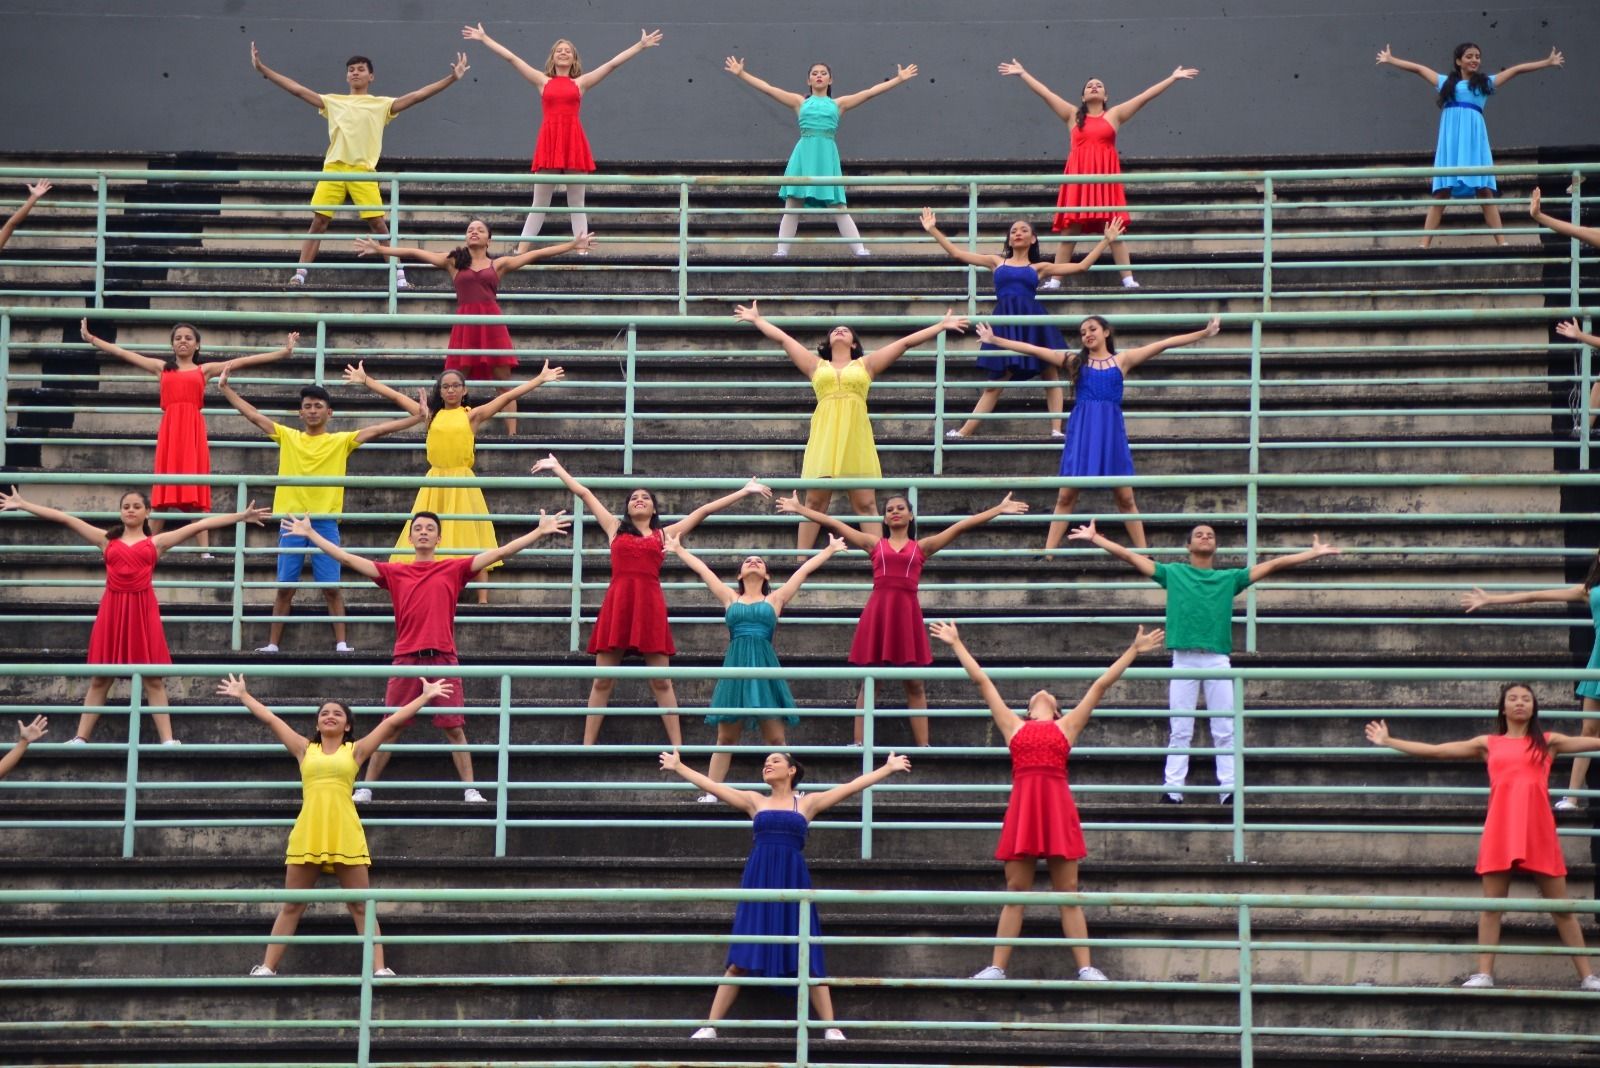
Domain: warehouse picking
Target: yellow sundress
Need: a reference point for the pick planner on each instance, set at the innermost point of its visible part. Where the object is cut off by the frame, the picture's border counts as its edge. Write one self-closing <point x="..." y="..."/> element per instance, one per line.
<point x="841" y="443"/>
<point x="451" y="452"/>
<point x="327" y="831"/>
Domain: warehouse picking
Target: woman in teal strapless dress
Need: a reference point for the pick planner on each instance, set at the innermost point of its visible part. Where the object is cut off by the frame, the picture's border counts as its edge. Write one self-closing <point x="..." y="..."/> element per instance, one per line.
<point x="752" y="615"/>
<point x="816" y="155"/>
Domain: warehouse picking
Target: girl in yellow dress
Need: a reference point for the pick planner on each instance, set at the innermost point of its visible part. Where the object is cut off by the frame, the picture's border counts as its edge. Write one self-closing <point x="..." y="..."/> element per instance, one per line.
<point x="841" y="445"/>
<point x="452" y="442"/>
<point x="327" y="835"/>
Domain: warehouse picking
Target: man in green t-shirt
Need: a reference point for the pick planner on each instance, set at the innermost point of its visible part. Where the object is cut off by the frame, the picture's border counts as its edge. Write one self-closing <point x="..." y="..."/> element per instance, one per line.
<point x="1200" y="635"/>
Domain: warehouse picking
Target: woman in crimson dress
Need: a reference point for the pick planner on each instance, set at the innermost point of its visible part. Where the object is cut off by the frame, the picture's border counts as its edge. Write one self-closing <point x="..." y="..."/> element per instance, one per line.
<point x="182" y="447"/>
<point x="478" y="350"/>
<point x="633" y="616"/>
<point x="1041" y="820"/>
<point x="127" y="628"/>
<point x="562" y="147"/>
<point x="1519" y="833"/>
<point x="1094" y="151"/>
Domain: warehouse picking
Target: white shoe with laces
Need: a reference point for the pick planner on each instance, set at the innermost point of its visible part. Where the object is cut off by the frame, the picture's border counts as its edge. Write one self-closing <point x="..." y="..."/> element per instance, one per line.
<point x="339" y="647"/>
<point x="1091" y="975"/>
<point x="1567" y="804"/>
<point x="1479" y="981"/>
<point x="705" y="1032"/>
<point x="1051" y="283"/>
<point x="707" y="799"/>
<point x="833" y="1034"/>
<point x="991" y="972"/>
<point x="1130" y="283"/>
<point x="361" y="795"/>
<point x="472" y="796"/>
<point x="261" y="970"/>
<point x="269" y="648"/>
<point x="1590" y="982"/>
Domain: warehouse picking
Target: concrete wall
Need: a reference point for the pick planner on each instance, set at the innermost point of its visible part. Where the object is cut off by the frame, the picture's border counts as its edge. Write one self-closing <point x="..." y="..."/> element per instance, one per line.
<point x="1278" y="76"/>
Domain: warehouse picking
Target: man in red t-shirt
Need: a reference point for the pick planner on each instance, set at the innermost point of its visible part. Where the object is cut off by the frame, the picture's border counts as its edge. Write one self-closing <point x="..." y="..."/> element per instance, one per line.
<point x="425" y="592"/>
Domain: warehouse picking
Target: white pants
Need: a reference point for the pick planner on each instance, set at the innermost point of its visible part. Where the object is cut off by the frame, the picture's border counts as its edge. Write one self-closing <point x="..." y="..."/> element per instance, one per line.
<point x="1182" y="695"/>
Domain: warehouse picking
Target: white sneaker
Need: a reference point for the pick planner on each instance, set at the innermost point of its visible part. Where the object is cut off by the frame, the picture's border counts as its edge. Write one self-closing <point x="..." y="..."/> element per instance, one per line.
<point x="1058" y="435"/>
<point x="1051" y="283"/>
<point x="298" y="278"/>
<point x="1590" y="982"/>
<point x="708" y="799"/>
<point x="79" y="741"/>
<point x="860" y="252"/>
<point x="705" y="1032"/>
<point x="361" y="795"/>
<point x="954" y="435"/>
<point x="269" y="648"/>
<point x="262" y="969"/>
<point x="400" y="280"/>
<point x="833" y="1034"/>
<point x="1130" y="283"/>
<point x="1091" y="975"/>
<point x="172" y="741"/>
<point x="1567" y="804"/>
<point x="991" y="972"/>
<point x="383" y="973"/>
<point x="1479" y="981"/>
<point x="473" y="796"/>
<point x="338" y="647"/>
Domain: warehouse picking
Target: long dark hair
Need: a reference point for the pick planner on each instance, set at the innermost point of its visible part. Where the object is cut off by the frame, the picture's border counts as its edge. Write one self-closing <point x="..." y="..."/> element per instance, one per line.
<point x="1593" y="577"/>
<point x="825" y="349"/>
<point x="824" y="66"/>
<point x="1033" y="249"/>
<point x="461" y="256"/>
<point x="116" y="531"/>
<point x="1537" y="747"/>
<point x="1075" y="360"/>
<point x="436" y="402"/>
<point x="1083" y="108"/>
<point x="738" y="580"/>
<point x="627" y="527"/>
<point x="170" y="362"/>
<point x="1478" y="83"/>
<point x="911" y="531"/>
<point x="349" y="721"/>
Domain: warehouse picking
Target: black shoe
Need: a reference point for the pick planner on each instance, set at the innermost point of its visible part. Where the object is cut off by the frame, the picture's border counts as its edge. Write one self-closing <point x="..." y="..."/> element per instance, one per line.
<point x="1168" y="799"/>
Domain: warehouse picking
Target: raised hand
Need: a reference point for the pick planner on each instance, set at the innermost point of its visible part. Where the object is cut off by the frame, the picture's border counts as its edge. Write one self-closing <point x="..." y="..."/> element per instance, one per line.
<point x="32" y="732"/>
<point x="366" y="246"/>
<point x="836" y="544"/>
<point x="296" y="524"/>
<point x="1568" y="328"/>
<point x="357" y="375"/>
<point x="1321" y="548"/>
<point x="39" y="189"/>
<point x="985" y="333"/>
<point x="11" y="500"/>
<point x="1213" y="327"/>
<point x="1013" y="67"/>
<point x="255" y="58"/>
<point x="909" y="71"/>
<point x="930" y="222"/>
<point x="733" y="65"/>
<point x="232" y="686"/>
<point x="559" y="523"/>
<point x="549" y="374"/>
<point x="1011" y="507"/>
<point x="1385" y="56"/>
<point x="1378" y="732"/>
<point x="1185" y="73"/>
<point x="1533" y="202"/>
<point x="584" y="241"/>
<point x="222" y="380"/>
<point x="789" y="505"/>
<point x="255" y="515"/>
<point x="897" y="763"/>
<point x="1555" y="59"/>
<point x="952" y="321"/>
<point x="422" y="404"/>
<point x="291" y="341"/>
<point x="475" y="33"/>
<point x="436" y="688"/>
<point x="549" y="463"/>
<point x="1148" y="641"/>
<point x="459" y="68"/>
<point x="1083" y="533"/>
<point x="670" y="761"/>
<point x="1113" y="229"/>
<point x="741" y="313"/>
<point x="84" y="332"/>
<point x="1475" y="600"/>
<point x="756" y="486"/>
<point x="649" y="38"/>
<point x="672" y="543"/>
<point x="945" y="631"/>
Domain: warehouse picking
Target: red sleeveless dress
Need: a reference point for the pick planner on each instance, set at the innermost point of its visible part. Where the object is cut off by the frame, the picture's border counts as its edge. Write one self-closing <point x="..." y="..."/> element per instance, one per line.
<point x="1520" y="830"/>
<point x="891" y="631"/>
<point x="127" y="629"/>
<point x="562" y="145"/>
<point x="181" y="444"/>
<point x="633" y="616"/>
<point x="476" y="293"/>
<point x="1094" y="151"/>
<point x="1041" y="820"/>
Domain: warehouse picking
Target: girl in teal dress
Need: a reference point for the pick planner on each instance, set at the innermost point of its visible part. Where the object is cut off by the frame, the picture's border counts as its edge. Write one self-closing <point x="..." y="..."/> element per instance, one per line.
<point x="816" y="155"/>
<point x="752" y="615"/>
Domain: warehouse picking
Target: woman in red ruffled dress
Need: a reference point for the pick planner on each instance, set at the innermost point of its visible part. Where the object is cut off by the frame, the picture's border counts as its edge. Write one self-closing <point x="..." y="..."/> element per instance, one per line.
<point x="562" y="147"/>
<point x="127" y="628"/>
<point x="1041" y="820"/>
<point x="1094" y="151"/>
<point x="633" y="616"/>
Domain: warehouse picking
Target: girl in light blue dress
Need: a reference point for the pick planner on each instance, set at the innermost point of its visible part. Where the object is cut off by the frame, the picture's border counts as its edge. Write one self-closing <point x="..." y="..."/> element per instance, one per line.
<point x="816" y="155"/>
<point x="1463" y="135"/>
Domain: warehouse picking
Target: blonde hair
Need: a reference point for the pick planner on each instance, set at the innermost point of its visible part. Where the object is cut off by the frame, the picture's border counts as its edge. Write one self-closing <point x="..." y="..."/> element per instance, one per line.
<point x="550" y="60"/>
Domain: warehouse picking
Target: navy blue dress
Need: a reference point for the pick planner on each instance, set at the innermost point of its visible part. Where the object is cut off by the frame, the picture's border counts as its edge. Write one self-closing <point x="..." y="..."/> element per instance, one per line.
<point x="777" y="862"/>
<point x="1015" y="293"/>
<point x="1097" y="438"/>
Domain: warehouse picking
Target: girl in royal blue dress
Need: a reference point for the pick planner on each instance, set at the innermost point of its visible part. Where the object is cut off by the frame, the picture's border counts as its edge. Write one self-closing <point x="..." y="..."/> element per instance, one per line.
<point x="1463" y="135"/>
<point x="777" y="862"/>
<point x="1018" y="269"/>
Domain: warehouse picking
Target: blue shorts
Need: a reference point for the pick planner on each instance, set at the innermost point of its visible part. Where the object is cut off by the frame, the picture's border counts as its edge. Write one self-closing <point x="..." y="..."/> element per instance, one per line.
<point x="324" y="568"/>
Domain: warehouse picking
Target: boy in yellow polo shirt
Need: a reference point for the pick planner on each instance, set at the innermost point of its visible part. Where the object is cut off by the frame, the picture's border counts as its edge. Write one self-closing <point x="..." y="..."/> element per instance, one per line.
<point x="312" y="451"/>
<point x="355" y="142"/>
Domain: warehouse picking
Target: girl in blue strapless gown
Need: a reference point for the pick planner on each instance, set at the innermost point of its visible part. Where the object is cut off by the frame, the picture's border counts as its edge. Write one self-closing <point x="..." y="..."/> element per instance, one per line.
<point x="752" y="615"/>
<point x="816" y="154"/>
<point x="1463" y="135"/>
<point x="1018" y="269"/>
<point x="1097" y="438"/>
<point x="777" y="862"/>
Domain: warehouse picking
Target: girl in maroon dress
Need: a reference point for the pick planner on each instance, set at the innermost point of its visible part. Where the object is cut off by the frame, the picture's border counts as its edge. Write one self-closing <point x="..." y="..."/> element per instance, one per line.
<point x="562" y="147"/>
<point x="476" y="276"/>
<point x="181" y="444"/>
<point x="890" y="632"/>
<point x="127" y="629"/>
<point x="1041" y="820"/>
<point x="1094" y="151"/>
<point x="1520" y="830"/>
<point x="633" y="616"/>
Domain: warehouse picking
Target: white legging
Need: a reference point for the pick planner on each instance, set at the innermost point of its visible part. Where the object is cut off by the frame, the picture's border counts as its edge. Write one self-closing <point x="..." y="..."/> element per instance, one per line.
<point x="791" y="222"/>
<point x="541" y="199"/>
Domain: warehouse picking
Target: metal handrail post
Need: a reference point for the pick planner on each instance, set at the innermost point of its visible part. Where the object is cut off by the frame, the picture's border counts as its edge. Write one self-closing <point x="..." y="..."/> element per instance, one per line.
<point x="130" y="789"/>
<point x="938" y="405"/>
<point x="577" y="572"/>
<point x="236" y="632"/>
<point x="1247" y="1016"/>
<point x="502" y="803"/>
<point x="100" y="242"/>
<point x="1266" y="244"/>
<point x="369" y="930"/>
<point x="1574" y="297"/>
<point x="5" y="380"/>
<point x="1255" y="469"/>
<point x="394" y="239"/>
<point x="802" y="993"/>
<point x="319" y="367"/>
<point x="683" y="248"/>
<point x="972" y="246"/>
<point x="869" y="700"/>
<point x="629" y="399"/>
<point x="1237" y="800"/>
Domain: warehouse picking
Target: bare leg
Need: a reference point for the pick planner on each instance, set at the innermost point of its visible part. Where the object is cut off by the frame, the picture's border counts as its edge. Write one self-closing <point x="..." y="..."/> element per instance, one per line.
<point x="1491" y="214"/>
<point x="1434" y="217"/>
<point x="375" y="765"/>
<point x="725" y="996"/>
<point x="986" y="404"/>
<point x="1066" y="501"/>
<point x="354" y="877"/>
<point x="335" y="599"/>
<point x="865" y="502"/>
<point x="99" y="688"/>
<point x="806" y="534"/>
<point x="1590" y="729"/>
<point x="917" y="697"/>
<point x="296" y="877"/>
<point x="1064" y="880"/>
<point x="502" y="374"/>
<point x="728" y="733"/>
<point x="1068" y="236"/>
<point x="1123" y="496"/>
<point x="1554" y="887"/>
<point x="462" y="760"/>
<point x="282" y="604"/>
<point x="1119" y="253"/>
<point x="1495" y="884"/>
<point x="599" y="697"/>
<point x="788" y="225"/>
<point x="822" y="1002"/>
<point x="666" y="698"/>
<point x="1055" y="398"/>
<point x="308" y="249"/>
<point x="483" y="590"/>
<point x="772" y="732"/>
<point x="535" y="220"/>
<point x="1019" y="880"/>
<point x="155" y="696"/>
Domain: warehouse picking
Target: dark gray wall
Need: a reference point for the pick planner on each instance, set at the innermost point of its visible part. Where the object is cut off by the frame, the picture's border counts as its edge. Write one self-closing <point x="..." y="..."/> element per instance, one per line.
<point x="1277" y="76"/>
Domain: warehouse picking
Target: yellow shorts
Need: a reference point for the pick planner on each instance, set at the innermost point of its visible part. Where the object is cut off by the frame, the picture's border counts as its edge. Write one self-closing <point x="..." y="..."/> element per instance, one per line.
<point x="332" y="194"/>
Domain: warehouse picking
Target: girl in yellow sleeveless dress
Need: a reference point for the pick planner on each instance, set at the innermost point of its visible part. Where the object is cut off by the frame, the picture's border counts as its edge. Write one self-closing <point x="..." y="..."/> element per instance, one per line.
<point x="452" y="451"/>
<point x="841" y="445"/>
<point x="327" y="835"/>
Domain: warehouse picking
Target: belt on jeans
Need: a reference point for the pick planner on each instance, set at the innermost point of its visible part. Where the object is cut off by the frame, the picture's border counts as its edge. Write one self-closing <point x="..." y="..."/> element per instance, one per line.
<point x="1463" y="104"/>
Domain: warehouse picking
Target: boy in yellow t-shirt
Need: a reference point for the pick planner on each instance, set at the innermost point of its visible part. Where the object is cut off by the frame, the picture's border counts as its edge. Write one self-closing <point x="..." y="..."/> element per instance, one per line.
<point x="312" y="451"/>
<point x="355" y="141"/>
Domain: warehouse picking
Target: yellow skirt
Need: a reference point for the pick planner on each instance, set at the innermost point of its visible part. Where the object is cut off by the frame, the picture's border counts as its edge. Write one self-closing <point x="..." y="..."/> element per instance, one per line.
<point x="457" y="537"/>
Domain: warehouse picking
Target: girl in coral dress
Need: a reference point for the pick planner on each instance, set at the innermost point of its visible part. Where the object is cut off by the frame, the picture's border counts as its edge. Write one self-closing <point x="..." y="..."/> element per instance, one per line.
<point x="327" y="835"/>
<point x="1041" y="821"/>
<point x="1094" y="151"/>
<point x="478" y="350"/>
<point x="1519" y="833"/>
<point x="562" y="147"/>
<point x="127" y="627"/>
<point x="633" y="616"/>
<point x="181" y="444"/>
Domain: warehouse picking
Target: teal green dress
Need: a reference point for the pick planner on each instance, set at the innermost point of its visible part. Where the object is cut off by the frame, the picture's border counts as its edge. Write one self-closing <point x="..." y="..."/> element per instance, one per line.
<point x="816" y="155"/>
<point x="750" y="628"/>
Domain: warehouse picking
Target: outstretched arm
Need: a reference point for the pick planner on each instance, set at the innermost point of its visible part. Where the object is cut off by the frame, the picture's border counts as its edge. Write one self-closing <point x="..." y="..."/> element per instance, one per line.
<point x="814" y="805"/>
<point x="930" y="223"/>
<point x="1589" y="235"/>
<point x="458" y="70"/>
<point x="934" y="542"/>
<point x="254" y="361"/>
<point x="548" y="524"/>
<point x="504" y="265"/>
<point x="91" y="534"/>
<point x="780" y="597"/>
<point x="169" y="538"/>
<point x="357" y="376"/>
<point x="987" y="335"/>
<point x="647" y="39"/>
<point x="1477" y="599"/>
<point x="1065" y="110"/>
<point x="1569" y="329"/>
<point x="859" y="538"/>
<point x="487" y="410"/>
<point x="743" y="800"/>
<point x="735" y="66"/>
<point x="1138" y="561"/>
<point x="1559" y="744"/>
<point x="1389" y="59"/>
<point x="694" y="518"/>
<point x="234" y="686"/>
<point x="417" y="413"/>
<point x="144" y="363"/>
<point x="1004" y="718"/>
<point x="244" y="407"/>
<point x="1554" y="59"/>
<point x="1112" y="232"/>
<point x="1378" y="734"/>
<point x="804" y="359"/>
<point x="532" y="73"/>
<point x="391" y="726"/>
<point x="901" y="76"/>
<point x="880" y="360"/>
<point x="1129" y="108"/>
<point x="719" y="589"/>
<point x="27" y="734"/>
<point x="1282" y="563"/>
<point x="288" y="85"/>
<point x="1073" y="722"/>
<point x="301" y="525"/>
<point x="1134" y="357"/>
<point x="608" y="522"/>
<point x="366" y="246"/>
<point x="35" y="191"/>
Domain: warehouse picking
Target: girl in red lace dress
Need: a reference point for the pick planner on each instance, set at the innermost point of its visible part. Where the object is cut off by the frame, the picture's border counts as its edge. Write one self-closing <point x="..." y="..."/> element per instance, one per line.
<point x="1519" y="832"/>
<point x="1041" y="820"/>
<point x="562" y="147"/>
<point x="476" y="348"/>
<point x="1094" y="151"/>
<point x="182" y="447"/>
<point x="633" y="616"/>
<point x="890" y="632"/>
<point x="127" y="628"/>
